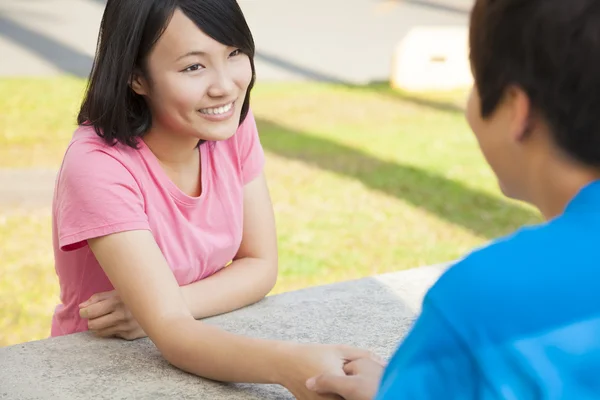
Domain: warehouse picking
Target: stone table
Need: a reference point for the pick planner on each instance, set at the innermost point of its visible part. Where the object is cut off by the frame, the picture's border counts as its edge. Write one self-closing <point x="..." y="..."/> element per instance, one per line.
<point x="373" y="313"/>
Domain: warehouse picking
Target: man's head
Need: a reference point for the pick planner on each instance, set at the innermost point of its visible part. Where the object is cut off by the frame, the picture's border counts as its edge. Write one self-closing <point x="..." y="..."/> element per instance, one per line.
<point x="536" y="65"/>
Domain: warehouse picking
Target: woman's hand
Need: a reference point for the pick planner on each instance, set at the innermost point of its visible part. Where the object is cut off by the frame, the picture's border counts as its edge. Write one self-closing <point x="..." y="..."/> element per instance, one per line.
<point x="108" y="317"/>
<point x="307" y="361"/>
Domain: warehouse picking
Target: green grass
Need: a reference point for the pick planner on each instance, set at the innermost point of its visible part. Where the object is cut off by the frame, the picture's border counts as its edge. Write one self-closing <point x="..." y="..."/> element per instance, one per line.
<point x="364" y="180"/>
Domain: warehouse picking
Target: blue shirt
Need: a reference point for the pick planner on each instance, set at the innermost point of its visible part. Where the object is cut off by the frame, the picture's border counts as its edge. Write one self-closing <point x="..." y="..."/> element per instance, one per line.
<point x="518" y="319"/>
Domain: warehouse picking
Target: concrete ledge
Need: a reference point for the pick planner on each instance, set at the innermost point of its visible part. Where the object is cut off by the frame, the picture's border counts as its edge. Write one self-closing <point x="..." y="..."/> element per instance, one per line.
<point x="372" y="313"/>
<point x="432" y="58"/>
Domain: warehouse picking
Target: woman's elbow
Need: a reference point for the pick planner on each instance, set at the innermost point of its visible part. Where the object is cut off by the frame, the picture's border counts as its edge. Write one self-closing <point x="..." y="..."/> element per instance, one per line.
<point x="171" y="339"/>
<point x="271" y="275"/>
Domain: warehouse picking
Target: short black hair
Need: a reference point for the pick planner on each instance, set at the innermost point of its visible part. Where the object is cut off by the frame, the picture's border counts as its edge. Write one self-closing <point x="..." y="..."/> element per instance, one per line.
<point x="551" y="50"/>
<point x="128" y="32"/>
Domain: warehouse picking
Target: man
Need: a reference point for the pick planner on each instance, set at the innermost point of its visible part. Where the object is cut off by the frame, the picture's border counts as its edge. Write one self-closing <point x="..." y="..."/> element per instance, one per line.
<point x="520" y="318"/>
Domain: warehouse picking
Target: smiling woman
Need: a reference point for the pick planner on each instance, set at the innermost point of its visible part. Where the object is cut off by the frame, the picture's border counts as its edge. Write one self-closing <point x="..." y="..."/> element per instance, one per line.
<point x="165" y="74"/>
<point x="162" y="186"/>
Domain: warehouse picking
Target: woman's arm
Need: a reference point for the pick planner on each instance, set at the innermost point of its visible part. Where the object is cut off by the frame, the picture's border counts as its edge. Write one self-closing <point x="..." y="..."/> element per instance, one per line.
<point x="140" y="274"/>
<point x="136" y="267"/>
<point x="253" y="272"/>
<point x="246" y="280"/>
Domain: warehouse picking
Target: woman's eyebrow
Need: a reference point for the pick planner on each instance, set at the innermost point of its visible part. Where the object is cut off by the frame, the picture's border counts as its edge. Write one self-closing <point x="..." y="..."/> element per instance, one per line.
<point x="192" y="53"/>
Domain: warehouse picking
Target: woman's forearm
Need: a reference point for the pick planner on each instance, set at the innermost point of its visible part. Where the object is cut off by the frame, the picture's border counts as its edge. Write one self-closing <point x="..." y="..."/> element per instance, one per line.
<point x="210" y="352"/>
<point x="243" y="282"/>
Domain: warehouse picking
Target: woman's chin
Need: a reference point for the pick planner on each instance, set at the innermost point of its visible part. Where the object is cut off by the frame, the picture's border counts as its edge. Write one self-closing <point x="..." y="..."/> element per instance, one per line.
<point x="217" y="130"/>
<point x="215" y="135"/>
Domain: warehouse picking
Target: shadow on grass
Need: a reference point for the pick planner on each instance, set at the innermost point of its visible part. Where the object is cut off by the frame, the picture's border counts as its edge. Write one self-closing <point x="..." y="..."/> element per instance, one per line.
<point x="384" y="89"/>
<point x="479" y="212"/>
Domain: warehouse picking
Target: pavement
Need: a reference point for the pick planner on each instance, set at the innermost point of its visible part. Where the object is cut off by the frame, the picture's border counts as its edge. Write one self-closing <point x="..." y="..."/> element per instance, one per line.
<point x="26" y="190"/>
<point x="348" y="41"/>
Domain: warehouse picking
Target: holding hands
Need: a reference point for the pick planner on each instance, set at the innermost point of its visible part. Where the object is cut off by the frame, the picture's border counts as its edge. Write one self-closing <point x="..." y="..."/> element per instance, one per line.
<point x="311" y="372"/>
<point x="360" y="380"/>
<point x="308" y="361"/>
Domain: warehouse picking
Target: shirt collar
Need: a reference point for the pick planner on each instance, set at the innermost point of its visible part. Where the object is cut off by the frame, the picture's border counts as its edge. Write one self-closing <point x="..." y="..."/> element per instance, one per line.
<point x="587" y="199"/>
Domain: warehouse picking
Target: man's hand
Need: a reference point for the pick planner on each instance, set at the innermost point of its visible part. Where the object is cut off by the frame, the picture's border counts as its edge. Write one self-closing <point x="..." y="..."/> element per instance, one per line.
<point x="360" y="382"/>
<point x="307" y="361"/>
<point x="108" y="317"/>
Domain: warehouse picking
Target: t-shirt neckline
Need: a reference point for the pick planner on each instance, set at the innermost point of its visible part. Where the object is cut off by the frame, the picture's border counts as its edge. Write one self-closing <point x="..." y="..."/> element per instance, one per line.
<point x="165" y="180"/>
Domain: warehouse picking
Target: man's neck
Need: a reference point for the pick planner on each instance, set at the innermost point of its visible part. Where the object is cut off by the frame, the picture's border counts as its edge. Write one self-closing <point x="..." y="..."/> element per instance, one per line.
<point x="557" y="182"/>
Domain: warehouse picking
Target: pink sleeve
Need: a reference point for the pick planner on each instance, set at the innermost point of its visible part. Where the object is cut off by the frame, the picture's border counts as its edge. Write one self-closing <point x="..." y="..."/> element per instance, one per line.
<point x="251" y="153"/>
<point x="96" y="196"/>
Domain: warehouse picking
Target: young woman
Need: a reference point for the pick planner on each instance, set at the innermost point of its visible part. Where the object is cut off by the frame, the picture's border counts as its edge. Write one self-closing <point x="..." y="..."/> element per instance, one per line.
<point x="162" y="186"/>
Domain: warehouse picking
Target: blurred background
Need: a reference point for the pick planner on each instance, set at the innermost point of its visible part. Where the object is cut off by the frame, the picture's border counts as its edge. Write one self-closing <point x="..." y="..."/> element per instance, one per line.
<point x="359" y="103"/>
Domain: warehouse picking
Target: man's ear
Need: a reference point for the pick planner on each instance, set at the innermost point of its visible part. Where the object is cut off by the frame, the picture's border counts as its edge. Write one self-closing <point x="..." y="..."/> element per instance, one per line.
<point x="138" y="83"/>
<point x="522" y="115"/>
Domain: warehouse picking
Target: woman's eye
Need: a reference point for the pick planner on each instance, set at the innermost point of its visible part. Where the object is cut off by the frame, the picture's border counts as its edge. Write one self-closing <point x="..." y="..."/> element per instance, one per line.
<point x="236" y="52"/>
<point x="193" y="68"/>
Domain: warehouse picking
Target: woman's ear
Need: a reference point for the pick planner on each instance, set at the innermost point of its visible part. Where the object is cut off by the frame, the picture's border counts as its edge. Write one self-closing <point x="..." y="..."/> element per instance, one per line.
<point x="138" y="83"/>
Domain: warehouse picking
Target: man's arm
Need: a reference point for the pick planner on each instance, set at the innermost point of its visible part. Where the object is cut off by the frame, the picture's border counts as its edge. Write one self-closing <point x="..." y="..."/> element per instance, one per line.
<point x="253" y="272"/>
<point x="433" y="362"/>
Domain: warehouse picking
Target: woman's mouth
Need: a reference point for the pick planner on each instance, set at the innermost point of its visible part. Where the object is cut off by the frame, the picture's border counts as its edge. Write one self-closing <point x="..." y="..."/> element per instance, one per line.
<point x="217" y="111"/>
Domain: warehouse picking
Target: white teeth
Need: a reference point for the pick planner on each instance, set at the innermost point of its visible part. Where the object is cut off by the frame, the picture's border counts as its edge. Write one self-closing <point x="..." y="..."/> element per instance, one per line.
<point x="217" y="110"/>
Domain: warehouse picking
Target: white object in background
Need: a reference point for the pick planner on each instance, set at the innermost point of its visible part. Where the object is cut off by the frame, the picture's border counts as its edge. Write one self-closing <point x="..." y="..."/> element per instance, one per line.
<point x="432" y="58"/>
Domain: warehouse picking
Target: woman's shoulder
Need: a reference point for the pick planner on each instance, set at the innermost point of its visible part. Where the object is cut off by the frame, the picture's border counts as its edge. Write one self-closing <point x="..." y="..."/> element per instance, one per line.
<point x="87" y="146"/>
<point x="89" y="155"/>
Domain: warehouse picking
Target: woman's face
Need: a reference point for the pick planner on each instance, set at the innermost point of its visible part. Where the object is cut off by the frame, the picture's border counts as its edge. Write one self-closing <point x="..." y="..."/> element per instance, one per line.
<point x="194" y="85"/>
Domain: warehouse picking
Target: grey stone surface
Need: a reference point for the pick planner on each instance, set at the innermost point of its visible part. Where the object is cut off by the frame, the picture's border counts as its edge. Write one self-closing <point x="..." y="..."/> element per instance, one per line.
<point x="373" y="313"/>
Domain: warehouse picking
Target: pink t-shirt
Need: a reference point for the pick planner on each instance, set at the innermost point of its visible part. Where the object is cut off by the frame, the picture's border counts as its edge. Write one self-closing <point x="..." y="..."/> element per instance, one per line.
<point x="102" y="190"/>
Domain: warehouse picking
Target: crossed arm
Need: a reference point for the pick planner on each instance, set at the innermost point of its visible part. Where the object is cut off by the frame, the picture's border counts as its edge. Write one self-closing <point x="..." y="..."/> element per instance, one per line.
<point x="248" y="279"/>
<point x="253" y="272"/>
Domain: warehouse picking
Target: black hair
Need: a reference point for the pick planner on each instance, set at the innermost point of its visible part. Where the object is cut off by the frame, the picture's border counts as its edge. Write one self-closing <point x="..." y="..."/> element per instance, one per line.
<point x="551" y="50"/>
<point x="128" y="32"/>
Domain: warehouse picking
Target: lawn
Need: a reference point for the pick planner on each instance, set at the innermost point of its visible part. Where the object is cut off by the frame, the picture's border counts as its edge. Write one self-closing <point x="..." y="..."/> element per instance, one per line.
<point x="364" y="180"/>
